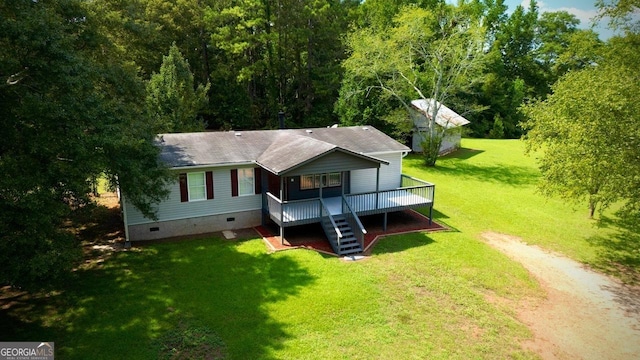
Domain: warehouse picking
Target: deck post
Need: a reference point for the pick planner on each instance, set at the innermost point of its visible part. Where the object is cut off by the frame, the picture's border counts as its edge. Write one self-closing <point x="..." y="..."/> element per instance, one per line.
<point x="384" y="223"/>
<point x="378" y="189"/>
<point x="430" y="214"/>
<point x="281" y="234"/>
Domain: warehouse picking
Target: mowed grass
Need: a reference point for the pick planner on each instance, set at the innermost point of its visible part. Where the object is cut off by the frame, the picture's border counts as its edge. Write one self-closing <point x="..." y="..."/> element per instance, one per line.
<point x="490" y="185"/>
<point x="438" y="296"/>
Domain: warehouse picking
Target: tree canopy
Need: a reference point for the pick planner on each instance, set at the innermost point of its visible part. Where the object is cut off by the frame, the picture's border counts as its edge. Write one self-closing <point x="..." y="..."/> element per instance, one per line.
<point x="68" y="116"/>
<point x="425" y="54"/>
<point x="588" y="130"/>
<point x="173" y="104"/>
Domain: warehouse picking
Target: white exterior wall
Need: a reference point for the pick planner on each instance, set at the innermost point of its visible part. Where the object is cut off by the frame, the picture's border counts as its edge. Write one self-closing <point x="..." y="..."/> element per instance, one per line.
<point x="450" y="142"/>
<point x="365" y="180"/>
<point x="222" y="203"/>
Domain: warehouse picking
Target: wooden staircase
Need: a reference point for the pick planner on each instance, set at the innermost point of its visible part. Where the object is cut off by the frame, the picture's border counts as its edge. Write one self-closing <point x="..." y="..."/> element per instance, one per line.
<point x="348" y="244"/>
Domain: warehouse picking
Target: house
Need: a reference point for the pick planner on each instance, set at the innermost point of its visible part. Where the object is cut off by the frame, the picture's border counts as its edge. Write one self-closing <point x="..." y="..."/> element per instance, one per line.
<point x="240" y="179"/>
<point x="446" y="118"/>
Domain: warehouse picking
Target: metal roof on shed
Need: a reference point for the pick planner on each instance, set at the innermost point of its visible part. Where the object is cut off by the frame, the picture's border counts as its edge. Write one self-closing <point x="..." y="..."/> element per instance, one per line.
<point x="276" y="150"/>
<point x="446" y="117"/>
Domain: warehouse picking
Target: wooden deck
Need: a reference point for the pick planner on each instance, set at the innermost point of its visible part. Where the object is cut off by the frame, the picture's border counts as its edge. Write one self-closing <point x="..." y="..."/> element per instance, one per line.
<point x="414" y="194"/>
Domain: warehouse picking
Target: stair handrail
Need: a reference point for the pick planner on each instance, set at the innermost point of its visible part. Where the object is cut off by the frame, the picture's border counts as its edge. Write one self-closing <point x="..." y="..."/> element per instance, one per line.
<point x="333" y="223"/>
<point x="355" y="216"/>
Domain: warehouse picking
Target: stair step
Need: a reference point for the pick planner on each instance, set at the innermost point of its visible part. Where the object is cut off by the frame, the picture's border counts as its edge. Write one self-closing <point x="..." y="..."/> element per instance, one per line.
<point x="352" y="251"/>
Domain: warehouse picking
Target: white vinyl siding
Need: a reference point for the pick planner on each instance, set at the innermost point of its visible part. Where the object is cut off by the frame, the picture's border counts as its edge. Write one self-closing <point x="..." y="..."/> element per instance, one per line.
<point x="246" y="184"/>
<point x="365" y="180"/>
<point x="196" y="186"/>
<point x="173" y="209"/>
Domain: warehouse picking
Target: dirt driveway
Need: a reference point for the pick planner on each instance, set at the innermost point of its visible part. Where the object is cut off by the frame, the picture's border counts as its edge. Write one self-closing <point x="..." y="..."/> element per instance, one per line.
<point x="586" y="315"/>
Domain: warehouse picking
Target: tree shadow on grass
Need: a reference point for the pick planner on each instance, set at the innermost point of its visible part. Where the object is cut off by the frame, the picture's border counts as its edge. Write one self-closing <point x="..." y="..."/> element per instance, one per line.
<point x="118" y="307"/>
<point x="507" y="175"/>
<point x="463" y="154"/>
<point x="619" y="250"/>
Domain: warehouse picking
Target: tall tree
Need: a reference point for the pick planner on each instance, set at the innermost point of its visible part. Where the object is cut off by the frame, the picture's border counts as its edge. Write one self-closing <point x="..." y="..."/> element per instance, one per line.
<point x="426" y="55"/>
<point x="280" y="55"/>
<point x="588" y="130"/>
<point x="173" y="104"/>
<point x="68" y="115"/>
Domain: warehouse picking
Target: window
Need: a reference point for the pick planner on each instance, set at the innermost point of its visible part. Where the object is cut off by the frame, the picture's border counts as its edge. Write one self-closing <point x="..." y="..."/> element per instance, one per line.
<point x="245" y="182"/>
<point x="196" y="185"/>
<point x="308" y="182"/>
<point x="334" y="180"/>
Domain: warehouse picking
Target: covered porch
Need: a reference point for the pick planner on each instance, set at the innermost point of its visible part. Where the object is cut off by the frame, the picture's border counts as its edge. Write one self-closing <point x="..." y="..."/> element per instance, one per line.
<point x="340" y="215"/>
<point x="413" y="193"/>
<point x="306" y="181"/>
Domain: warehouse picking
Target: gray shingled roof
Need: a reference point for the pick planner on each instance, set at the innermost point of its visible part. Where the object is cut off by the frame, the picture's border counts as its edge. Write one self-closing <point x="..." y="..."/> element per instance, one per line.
<point x="446" y="117"/>
<point x="276" y="150"/>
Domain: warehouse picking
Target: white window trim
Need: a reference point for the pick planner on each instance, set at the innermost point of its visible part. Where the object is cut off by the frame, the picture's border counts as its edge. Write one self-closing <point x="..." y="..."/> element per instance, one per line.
<point x="204" y="186"/>
<point x="241" y="177"/>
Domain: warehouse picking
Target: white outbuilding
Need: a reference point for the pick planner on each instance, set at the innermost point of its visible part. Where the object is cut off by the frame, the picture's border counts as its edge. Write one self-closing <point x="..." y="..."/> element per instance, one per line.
<point x="446" y="118"/>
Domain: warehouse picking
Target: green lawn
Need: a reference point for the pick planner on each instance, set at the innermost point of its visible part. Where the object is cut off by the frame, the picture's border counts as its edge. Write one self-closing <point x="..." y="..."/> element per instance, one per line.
<point x="442" y="295"/>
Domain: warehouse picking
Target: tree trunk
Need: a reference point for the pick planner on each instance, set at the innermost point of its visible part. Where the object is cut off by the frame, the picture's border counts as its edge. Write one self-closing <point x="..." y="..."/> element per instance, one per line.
<point x="592" y="208"/>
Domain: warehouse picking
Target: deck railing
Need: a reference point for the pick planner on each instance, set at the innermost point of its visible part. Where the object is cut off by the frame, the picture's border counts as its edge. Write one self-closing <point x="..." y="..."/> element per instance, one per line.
<point x="413" y="193"/>
<point x="354" y="221"/>
<point x="409" y="181"/>
<point x="299" y="211"/>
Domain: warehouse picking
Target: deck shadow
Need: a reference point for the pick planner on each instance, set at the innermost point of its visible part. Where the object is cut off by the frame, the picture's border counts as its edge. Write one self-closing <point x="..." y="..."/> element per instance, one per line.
<point x="312" y="236"/>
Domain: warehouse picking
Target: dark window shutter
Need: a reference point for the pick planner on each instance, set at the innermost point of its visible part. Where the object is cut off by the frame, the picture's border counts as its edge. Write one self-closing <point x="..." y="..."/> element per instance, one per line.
<point x="184" y="192"/>
<point x="234" y="182"/>
<point x="209" y="182"/>
<point x="257" y="179"/>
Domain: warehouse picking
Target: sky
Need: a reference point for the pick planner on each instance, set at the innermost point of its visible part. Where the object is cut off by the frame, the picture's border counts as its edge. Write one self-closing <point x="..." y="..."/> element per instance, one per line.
<point x="584" y="10"/>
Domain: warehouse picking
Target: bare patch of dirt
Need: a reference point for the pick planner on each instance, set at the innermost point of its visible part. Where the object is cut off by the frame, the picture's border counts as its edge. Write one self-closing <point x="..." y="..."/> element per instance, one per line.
<point x="585" y="315"/>
<point x="101" y="230"/>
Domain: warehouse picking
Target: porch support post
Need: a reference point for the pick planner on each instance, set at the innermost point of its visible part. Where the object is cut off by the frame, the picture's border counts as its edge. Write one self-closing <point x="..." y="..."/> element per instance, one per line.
<point x="282" y="210"/>
<point x="430" y="214"/>
<point x="282" y="234"/>
<point x="384" y="223"/>
<point x="378" y="191"/>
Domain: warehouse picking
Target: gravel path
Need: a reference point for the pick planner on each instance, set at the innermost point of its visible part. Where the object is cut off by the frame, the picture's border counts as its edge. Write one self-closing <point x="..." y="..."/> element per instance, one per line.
<point x="586" y="315"/>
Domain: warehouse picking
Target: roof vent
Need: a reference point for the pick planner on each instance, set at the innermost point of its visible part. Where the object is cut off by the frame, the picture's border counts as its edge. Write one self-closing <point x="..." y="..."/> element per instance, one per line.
<point x="238" y="134"/>
<point x="365" y="128"/>
<point x="309" y="131"/>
